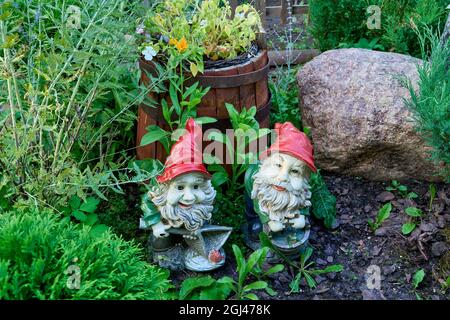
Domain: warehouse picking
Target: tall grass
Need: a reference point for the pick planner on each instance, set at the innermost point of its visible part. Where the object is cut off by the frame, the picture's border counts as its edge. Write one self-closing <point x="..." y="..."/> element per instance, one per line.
<point x="68" y="86"/>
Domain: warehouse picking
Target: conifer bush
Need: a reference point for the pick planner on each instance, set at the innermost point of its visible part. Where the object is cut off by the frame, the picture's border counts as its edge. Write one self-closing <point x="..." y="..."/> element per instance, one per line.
<point x="44" y="257"/>
<point x="430" y="104"/>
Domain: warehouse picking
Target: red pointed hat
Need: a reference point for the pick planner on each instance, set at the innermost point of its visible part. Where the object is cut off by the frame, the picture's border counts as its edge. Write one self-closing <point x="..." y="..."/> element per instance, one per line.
<point x="292" y="141"/>
<point x="185" y="155"/>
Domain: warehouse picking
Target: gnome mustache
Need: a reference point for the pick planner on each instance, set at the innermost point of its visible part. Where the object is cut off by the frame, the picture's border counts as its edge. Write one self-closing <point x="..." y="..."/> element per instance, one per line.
<point x="192" y="217"/>
<point x="280" y="205"/>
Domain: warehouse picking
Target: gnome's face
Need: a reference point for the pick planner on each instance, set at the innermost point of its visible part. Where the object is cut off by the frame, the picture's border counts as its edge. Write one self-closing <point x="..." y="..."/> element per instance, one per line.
<point x="281" y="186"/>
<point x="187" y="201"/>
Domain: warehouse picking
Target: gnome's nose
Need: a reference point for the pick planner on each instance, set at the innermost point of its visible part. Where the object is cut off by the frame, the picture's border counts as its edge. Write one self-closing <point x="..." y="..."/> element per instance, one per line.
<point x="188" y="196"/>
<point x="283" y="176"/>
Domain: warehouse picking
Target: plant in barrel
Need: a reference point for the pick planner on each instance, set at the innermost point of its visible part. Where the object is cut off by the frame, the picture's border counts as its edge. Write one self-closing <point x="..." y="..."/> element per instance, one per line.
<point x="209" y="55"/>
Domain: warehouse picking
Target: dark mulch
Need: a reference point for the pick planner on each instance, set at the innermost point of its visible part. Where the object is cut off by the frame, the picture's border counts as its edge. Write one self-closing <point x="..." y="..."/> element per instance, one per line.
<point x="353" y="245"/>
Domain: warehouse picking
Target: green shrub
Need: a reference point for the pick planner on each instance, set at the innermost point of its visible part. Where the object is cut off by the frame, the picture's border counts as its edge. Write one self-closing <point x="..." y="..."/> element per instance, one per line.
<point x="333" y="22"/>
<point x="39" y="256"/>
<point x="343" y="23"/>
<point x="284" y="90"/>
<point x="431" y="104"/>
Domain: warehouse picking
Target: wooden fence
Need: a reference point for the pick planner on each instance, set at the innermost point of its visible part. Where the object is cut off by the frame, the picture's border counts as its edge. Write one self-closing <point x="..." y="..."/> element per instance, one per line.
<point x="281" y="10"/>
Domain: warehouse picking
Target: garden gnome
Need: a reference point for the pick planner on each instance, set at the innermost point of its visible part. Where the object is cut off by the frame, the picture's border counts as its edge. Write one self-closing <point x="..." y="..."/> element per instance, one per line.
<point x="179" y="208"/>
<point x="278" y="193"/>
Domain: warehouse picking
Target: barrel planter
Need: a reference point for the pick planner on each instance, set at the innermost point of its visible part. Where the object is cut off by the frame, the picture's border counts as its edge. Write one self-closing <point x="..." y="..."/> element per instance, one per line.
<point x="243" y="85"/>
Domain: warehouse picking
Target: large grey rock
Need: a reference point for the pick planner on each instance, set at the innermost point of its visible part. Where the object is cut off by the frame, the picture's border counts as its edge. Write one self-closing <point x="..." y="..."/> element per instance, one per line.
<point x="353" y="103"/>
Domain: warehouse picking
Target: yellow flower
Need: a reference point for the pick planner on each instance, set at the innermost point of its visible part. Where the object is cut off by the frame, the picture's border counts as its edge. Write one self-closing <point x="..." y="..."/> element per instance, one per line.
<point x="182" y="45"/>
<point x="173" y="42"/>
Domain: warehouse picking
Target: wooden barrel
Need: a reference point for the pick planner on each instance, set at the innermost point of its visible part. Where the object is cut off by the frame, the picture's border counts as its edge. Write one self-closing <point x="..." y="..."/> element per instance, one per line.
<point x="243" y="85"/>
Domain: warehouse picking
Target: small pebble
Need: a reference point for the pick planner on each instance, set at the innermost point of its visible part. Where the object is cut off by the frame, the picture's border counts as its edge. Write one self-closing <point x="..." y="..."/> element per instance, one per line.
<point x="385" y="196"/>
<point x="331" y="275"/>
<point x="439" y="248"/>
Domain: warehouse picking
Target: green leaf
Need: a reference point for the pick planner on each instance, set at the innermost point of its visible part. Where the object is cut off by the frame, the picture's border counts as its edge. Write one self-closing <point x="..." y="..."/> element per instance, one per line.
<point x="257" y="285"/>
<point x="166" y="112"/>
<point x="194" y="69"/>
<point x="216" y="291"/>
<point x="310" y="280"/>
<point x="74" y="202"/>
<point x="271" y="292"/>
<point x="253" y="259"/>
<point x="233" y="113"/>
<point x="275" y="269"/>
<point x="190" y="90"/>
<point x="371" y="224"/>
<point x="219" y="178"/>
<point x="418" y="278"/>
<point x="226" y="279"/>
<point x="384" y="213"/>
<point x="98" y="230"/>
<point x="241" y="264"/>
<point x="190" y="284"/>
<point x="413" y="212"/>
<point x="80" y="216"/>
<point x="174" y="98"/>
<point x="323" y="202"/>
<point x="90" y="205"/>
<point x="295" y="283"/>
<point x="412" y="195"/>
<point x="205" y="120"/>
<point x="251" y="296"/>
<point x="154" y="134"/>
<point x="407" y="228"/>
<point x="238" y="255"/>
<point x="333" y="268"/>
<point x="306" y="255"/>
<point x="91" y="219"/>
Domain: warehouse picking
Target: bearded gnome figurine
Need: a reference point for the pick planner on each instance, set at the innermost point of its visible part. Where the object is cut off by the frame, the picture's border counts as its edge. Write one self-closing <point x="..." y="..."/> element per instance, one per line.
<point x="179" y="208"/>
<point x="278" y="193"/>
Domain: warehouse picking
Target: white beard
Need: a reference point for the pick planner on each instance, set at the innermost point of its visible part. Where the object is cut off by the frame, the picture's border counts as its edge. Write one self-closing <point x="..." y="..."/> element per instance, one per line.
<point x="279" y="205"/>
<point x="192" y="218"/>
<point x="174" y="216"/>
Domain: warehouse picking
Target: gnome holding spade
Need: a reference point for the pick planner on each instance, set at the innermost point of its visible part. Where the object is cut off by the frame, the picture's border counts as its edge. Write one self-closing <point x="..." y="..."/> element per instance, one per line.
<point x="178" y="210"/>
<point x="278" y="193"/>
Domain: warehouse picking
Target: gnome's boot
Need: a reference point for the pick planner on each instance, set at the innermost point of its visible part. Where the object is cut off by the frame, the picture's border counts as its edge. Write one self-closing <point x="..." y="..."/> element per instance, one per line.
<point x="167" y="252"/>
<point x="253" y="227"/>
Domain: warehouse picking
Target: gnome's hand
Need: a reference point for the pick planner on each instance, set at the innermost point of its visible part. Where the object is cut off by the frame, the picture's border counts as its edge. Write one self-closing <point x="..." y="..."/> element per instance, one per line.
<point x="159" y="230"/>
<point x="275" y="226"/>
<point x="298" y="223"/>
<point x="191" y="236"/>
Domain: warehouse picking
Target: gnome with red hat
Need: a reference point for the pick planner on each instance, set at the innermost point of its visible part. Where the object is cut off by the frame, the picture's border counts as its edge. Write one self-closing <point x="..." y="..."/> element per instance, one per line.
<point x="279" y="191"/>
<point x="179" y="208"/>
